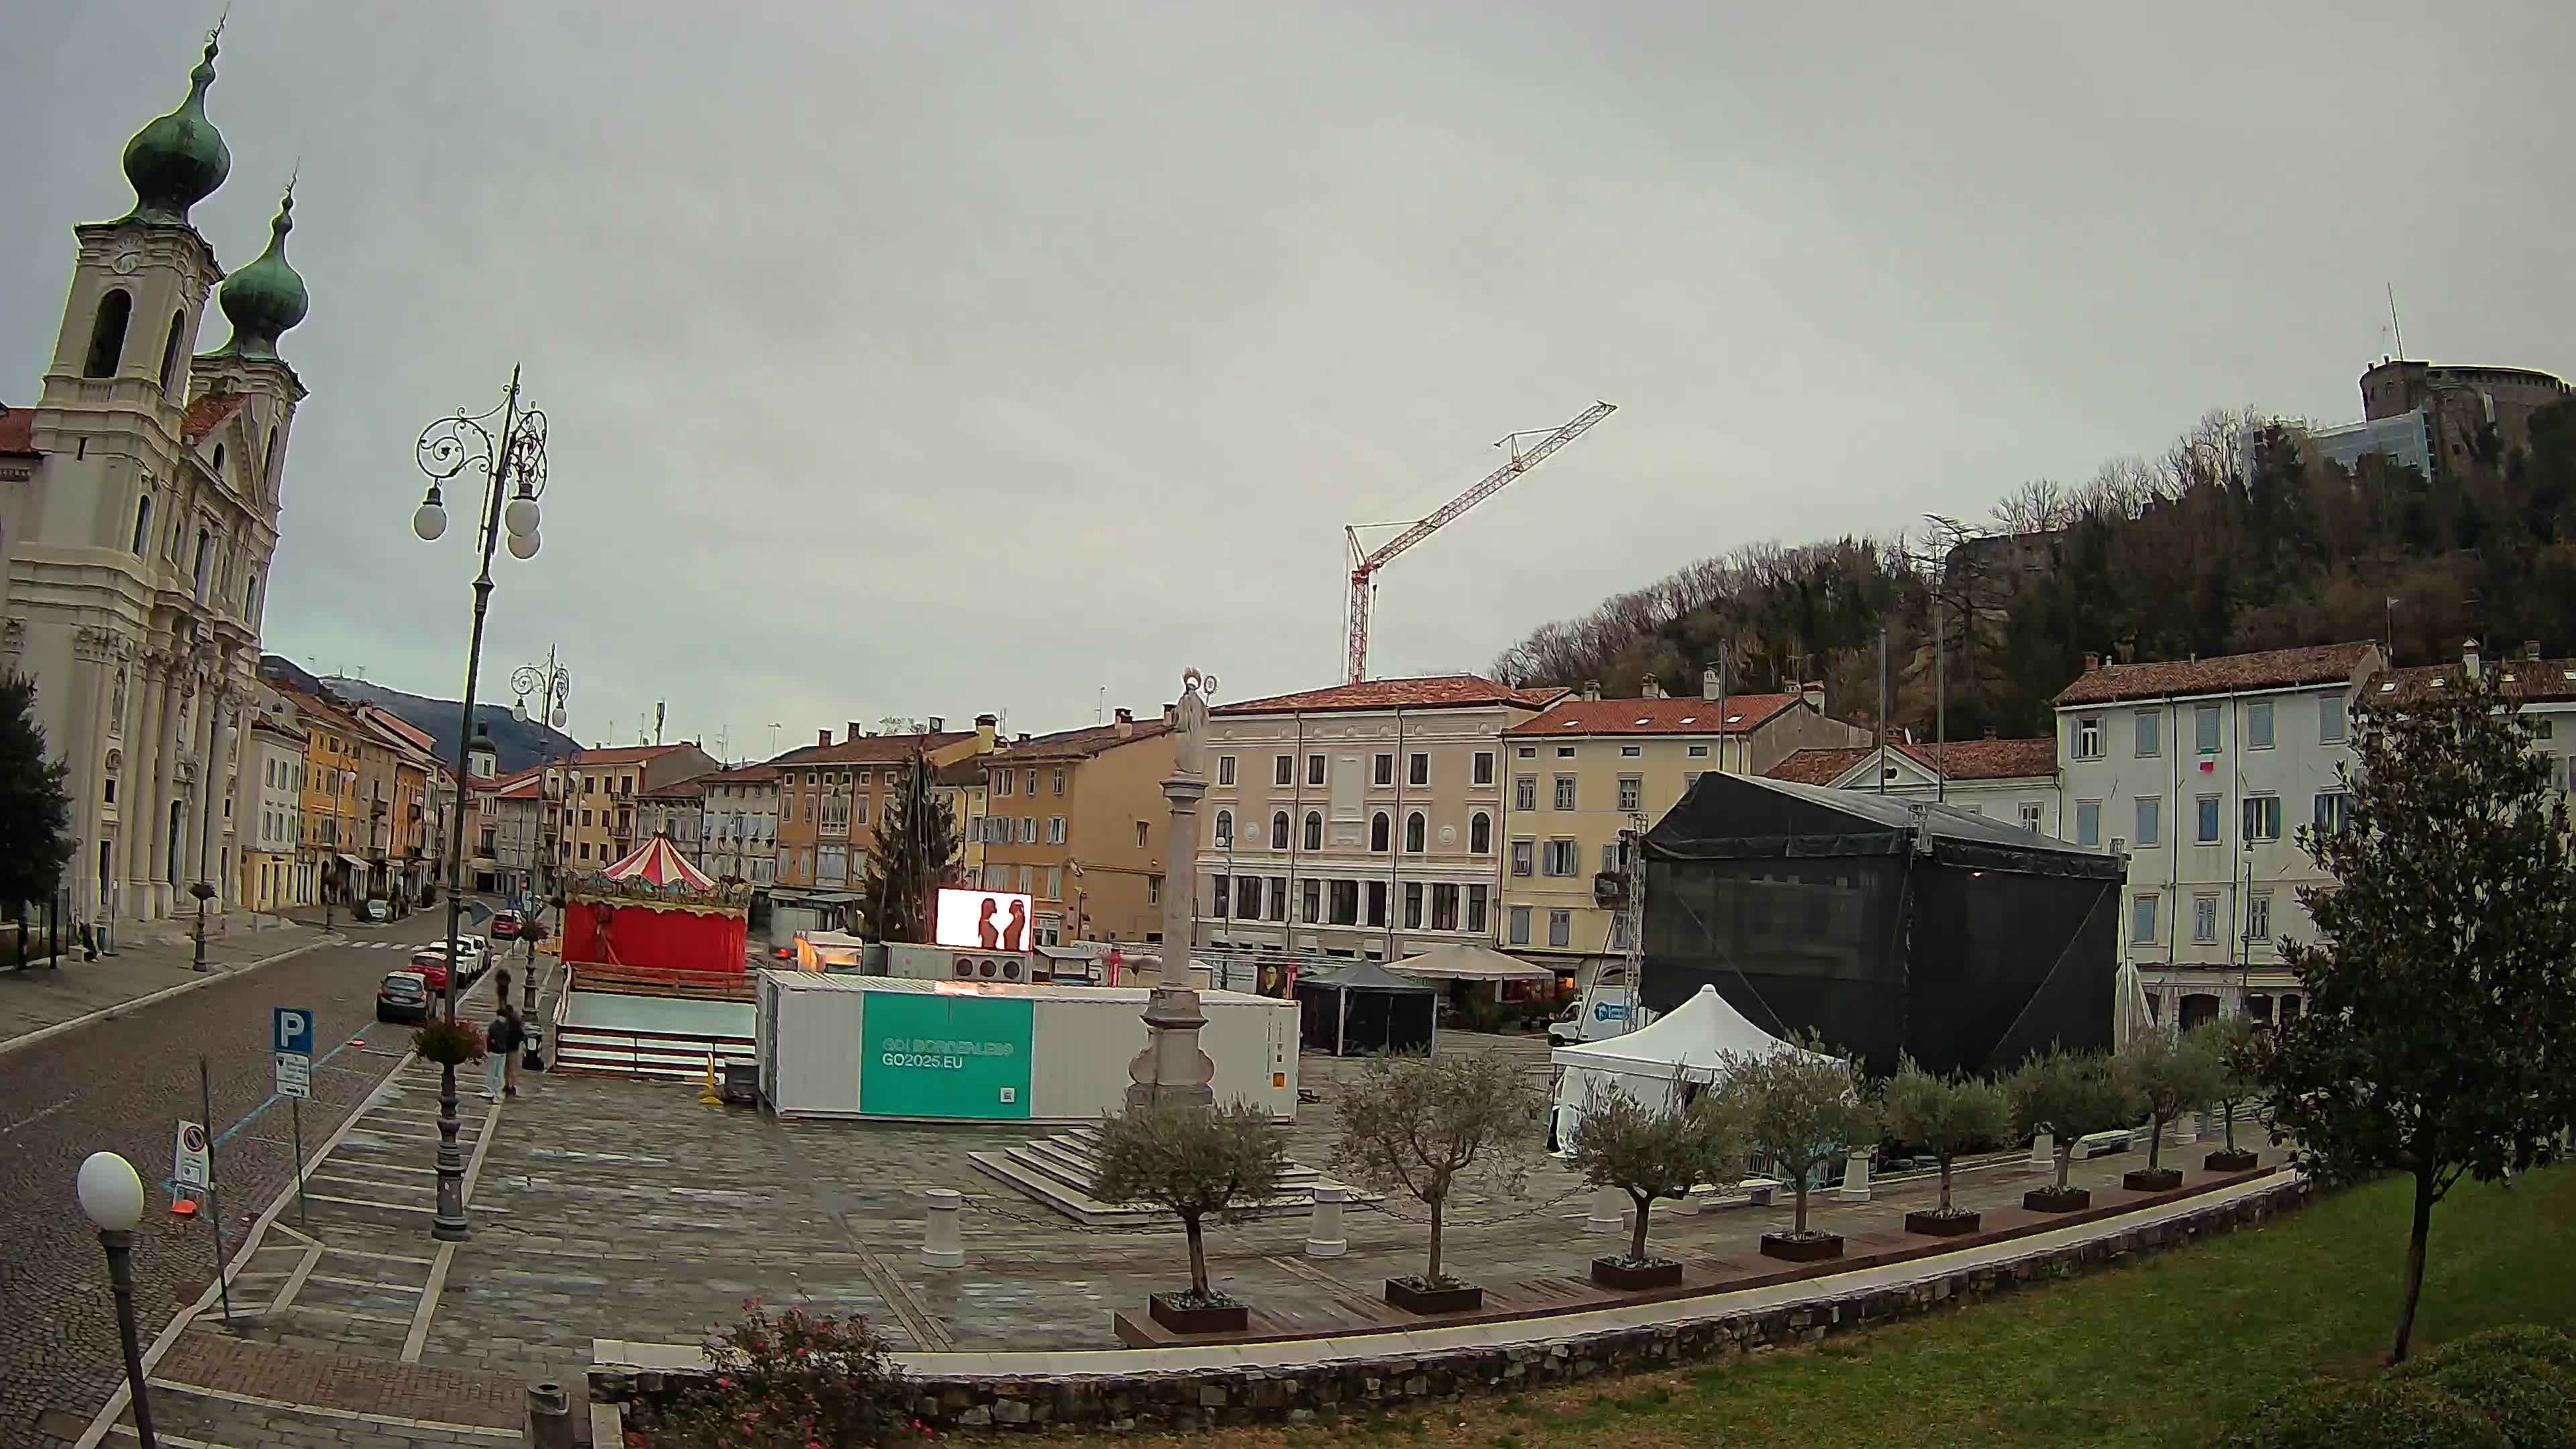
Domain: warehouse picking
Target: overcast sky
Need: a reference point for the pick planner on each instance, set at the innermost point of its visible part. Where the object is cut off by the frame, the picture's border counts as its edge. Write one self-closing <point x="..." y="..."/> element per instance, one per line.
<point x="932" y="358"/>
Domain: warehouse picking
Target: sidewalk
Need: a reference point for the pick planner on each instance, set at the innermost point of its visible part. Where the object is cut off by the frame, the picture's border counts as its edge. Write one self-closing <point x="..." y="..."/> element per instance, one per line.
<point x="36" y="997"/>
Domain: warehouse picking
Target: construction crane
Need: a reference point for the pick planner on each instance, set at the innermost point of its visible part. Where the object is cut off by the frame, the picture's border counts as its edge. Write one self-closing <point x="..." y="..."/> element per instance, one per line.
<point x="1366" y="562"/>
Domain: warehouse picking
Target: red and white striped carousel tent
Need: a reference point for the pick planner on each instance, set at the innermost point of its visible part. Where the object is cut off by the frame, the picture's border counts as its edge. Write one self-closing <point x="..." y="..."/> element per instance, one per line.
<point x="656" y="864"/>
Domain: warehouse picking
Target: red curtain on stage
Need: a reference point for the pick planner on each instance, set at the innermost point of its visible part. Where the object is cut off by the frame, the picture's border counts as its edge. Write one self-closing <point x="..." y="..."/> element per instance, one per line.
<point x="639" y="936"/>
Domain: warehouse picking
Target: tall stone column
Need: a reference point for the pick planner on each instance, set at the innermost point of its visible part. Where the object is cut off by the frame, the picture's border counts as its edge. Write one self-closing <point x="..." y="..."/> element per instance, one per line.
<point x="215" y="788"/>
<point x="178" y="704"/>
<point x="85" y="749"/>
<point x="1172" y="1068"/>
<point x="138" y="805"/>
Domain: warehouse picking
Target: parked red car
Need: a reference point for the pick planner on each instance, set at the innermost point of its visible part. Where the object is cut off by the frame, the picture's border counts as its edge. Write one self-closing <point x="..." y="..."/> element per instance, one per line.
<point x="432" y="966"/>
<point x="505" y="925"/>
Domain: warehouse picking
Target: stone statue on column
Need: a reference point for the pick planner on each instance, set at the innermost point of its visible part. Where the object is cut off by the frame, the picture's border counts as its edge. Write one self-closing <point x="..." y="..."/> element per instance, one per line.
<point x="1172" y="1068"/>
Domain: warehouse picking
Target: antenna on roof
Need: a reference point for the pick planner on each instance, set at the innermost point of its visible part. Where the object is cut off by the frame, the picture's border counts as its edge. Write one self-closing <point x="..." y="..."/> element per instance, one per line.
<point x="2393" y="325"/>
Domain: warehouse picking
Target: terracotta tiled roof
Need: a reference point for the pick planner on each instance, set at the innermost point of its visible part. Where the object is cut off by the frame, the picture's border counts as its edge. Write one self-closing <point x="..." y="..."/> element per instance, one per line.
<point x="624" y="754"/>
<point x="209" y="413"/>
<point x="2226" y="674"/>
<point x="872" y="749"/>
<point x="745" y="775"/>
<point x="1439" y="691"/>
<point x="693" y="788"/>
<point x="1960" y="759"/>
<point x="17" y="430"/>
<point x="965" y="773"/>
<point x="1081" y="744"/>
<point x="1819" y="767"/>
<point x="2528" y="680"/>
<point x="1655" y="716"/>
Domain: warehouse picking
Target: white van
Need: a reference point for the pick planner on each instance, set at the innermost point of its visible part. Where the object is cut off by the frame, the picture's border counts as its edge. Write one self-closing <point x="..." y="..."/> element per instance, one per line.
<point x="1601" y="1010"/>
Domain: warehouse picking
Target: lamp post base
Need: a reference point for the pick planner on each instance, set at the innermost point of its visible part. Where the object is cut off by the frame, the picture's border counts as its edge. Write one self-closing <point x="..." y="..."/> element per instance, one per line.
<point x="450" y="1224"/>
<point x="120" y="1277"/>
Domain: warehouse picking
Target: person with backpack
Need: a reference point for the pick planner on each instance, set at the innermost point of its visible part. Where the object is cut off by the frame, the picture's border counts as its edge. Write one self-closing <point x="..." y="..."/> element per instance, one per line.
<point x="501" y="1042"/>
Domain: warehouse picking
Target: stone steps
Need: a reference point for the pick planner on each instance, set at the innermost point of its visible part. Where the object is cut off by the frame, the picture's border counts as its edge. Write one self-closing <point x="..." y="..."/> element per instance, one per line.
<point x="1058" y="1172"/>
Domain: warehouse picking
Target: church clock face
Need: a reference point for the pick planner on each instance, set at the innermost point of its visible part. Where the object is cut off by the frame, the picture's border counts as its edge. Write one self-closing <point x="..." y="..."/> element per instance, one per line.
<point x="127" y="260"/>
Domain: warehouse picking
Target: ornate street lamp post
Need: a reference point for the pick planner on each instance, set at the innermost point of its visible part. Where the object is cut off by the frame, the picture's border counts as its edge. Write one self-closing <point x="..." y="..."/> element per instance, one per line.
<point x="514" y="477"/>
<point x="111" y="1197"/>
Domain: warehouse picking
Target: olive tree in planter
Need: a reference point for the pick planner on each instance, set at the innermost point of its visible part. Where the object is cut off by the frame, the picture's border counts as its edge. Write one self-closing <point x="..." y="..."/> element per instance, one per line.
<point x="1651" y="1153"/>
<point x="1946" y="1117"/>
<point x="2171" y="1075"/>
<point x="2238" y="1045"/>
<point x="1800" y="1107"/>
<point x="1421" y="1125"/>
<point x="1196" y="1163"/>
<point x="2068" y="1095"/>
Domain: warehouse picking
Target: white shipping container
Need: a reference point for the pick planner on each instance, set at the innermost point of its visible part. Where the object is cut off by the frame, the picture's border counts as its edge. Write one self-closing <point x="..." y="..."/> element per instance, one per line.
<point x="875" y="1046"/>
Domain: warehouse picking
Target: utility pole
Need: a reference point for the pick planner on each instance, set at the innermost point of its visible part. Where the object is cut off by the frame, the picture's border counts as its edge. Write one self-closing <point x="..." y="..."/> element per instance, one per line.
<point x="1882" y="709"/>
<point x="1940" y="704"/>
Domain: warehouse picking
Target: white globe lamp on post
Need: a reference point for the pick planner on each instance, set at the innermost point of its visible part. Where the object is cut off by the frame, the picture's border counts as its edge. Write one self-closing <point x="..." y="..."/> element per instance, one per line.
<point x="111" y="1197"/>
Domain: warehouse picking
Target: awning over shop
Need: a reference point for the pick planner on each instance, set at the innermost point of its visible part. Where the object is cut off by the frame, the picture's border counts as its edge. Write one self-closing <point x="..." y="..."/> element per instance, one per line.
<point x="353" y="862"/>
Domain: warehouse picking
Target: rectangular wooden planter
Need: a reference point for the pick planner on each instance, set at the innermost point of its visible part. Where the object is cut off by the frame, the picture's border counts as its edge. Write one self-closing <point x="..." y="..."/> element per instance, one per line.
<point x="2225" y="1161"/>
<point x="2151" y="1179"/>
<point x="1802" y="1250"/>
<point x="1637" y="1277"/>
<point x="1461" y="1298"/>
<point x="1941" y="1225"/>
<point x="2050" y="1200"/>
<point x="1198" y="1318"/>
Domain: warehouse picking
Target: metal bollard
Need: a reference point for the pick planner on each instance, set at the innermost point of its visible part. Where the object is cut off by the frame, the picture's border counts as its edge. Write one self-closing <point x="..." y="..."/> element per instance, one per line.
<point x="2184" y="1130"/>
<point x="940" y="1245"/>
<point x="1324" y="1227"/>
<point x="549" y="1417"/>
<point x="1855" y="1186"/>
<point x="2043" y="1152"/>
<point x="1609" y="1211"/>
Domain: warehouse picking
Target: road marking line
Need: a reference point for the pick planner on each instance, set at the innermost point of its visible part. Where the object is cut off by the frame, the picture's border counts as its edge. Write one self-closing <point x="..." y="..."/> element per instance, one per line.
<point x="173" y="1439"/>
<point x="427" y="1308"/>
<point x="294" y="1281"/>
<point x="349" y="1313"/>
<point x="370" y="1284"/>
<point x="31" y="1121"/>
<point x="327" y="1411"/>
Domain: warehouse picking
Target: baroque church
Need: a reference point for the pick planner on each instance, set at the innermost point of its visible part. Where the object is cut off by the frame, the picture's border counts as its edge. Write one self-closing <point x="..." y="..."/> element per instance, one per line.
<point x="138" y="515"/>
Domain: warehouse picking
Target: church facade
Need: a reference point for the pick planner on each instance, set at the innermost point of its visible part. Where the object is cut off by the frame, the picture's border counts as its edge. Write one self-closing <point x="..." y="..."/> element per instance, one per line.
<point x="138" y="517"/>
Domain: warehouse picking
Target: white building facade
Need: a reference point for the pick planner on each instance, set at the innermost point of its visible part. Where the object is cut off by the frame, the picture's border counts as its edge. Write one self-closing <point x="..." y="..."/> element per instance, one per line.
<point x="2012" y="781"/>
<point x="138" y="516"/>
<point x="2201" y="772"/>
<point x="741" y="825"/>
<point x="272" y="820"/>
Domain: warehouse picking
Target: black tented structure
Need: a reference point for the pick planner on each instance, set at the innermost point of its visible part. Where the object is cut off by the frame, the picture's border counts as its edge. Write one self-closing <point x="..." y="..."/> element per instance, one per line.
<point x="1883" y="924"/>
<point x="1362" y="1010"/>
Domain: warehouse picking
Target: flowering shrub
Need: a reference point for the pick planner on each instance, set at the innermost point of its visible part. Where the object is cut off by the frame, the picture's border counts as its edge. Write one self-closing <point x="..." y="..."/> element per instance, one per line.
<point x="448" y="1044"/>
<point x="794" y="1378"/>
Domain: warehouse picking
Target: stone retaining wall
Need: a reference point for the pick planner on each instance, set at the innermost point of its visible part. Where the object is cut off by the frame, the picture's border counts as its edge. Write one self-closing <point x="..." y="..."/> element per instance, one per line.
<point x="1365" y="1384"/>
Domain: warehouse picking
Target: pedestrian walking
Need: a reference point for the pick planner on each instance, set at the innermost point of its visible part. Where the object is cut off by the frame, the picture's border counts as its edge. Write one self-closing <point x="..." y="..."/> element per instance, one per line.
<point x="501" y="1052"/>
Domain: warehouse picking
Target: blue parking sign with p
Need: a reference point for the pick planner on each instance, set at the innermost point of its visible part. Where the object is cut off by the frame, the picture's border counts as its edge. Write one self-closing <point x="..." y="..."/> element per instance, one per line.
<point x="293" y="1031"/>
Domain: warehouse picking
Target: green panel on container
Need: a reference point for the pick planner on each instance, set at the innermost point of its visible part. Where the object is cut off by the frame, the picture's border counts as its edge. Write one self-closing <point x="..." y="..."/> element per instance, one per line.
<point x="934" y="1055"/>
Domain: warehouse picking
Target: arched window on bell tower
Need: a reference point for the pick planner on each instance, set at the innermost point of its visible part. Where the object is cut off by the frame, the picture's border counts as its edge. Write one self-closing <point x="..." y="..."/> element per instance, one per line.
<point x="107" y="333"/>
<point x="170" y="352"/>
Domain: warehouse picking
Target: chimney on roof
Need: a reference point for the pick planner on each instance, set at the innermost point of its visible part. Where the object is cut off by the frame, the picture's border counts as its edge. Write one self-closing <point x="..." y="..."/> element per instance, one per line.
<point x="2530" y="648"/>
<point x="938" y="725"/>
<point x="1814" y="695"/>
<point x="986" y="728"/>
<point x="1023" y="739"/>
<point x="1708" y="684"/>
<point x="1171" y="714"/>
<point x="822" y="737"/>
<point x="2092" y="663"/>
<point x="855" y="731"/>
<point x="1592" y="689"/>
<point x="2469" y="657"/>
<point x="1126" y="723"/>
<point x="1654" y="688"/>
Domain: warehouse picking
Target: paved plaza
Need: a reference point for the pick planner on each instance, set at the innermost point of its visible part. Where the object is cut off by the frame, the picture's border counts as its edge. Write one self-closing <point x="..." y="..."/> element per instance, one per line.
<point x="614" y="1210"/>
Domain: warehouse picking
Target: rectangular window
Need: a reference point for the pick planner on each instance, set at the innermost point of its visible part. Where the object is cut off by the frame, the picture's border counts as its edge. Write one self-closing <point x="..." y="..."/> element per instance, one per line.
<point x="1698" y="752"/>
<point x="2204" y="920"/>
<point x="1313" y="903"/>
<point x="1284" y="770"/>
<point x="1484" y="768"/>
<point x="1518" y="934"/>
<point x="1560" y="928"/>
<point x="2033" y="814"/>
<point x="2204" y="729"/>
<point x="2151" y="820"/>
<point x="1225" y="769"/>
<point x="1055" y="830"/>
<point x="1525" y="792"/>
<point x="1059" y="779"/>
<point x="1028" y="879"/>
<point x="2088" y="822"/>
<point x="2262" y="817"/>
<point x="1029" y="783"/>
<point x="1248" y="897"/>
<point x="1524" y="854"/>
<point x="2151" y="741"/>
<point x="1444" y="907"/>
<point x="1476" y="895"/>
<point x="1417" y="769"/>
<point x="1609" y="857"/>
<point x="1565" y="792"/>
<point x="2087" y="741"/>
<point x="2258" y="725"/>
<point x="1619" y="931"/>
<point x="2205" y="820"/>
<point x="1314" y="769"/>
<point x="1630" y="752"/>
<point x="1346" y="903"/>
<point x="1141" y="836"/>
<point x="1413" y="905"/>
<point x="1002" y="783"/>
<point x="2334" y="811"/>
<point x="1377" y="903"/>
<point x="1561" y="858"/>
<point x="859" y="810"/>
<point x="2258" y="918"/>
<point x="2142" y="920"/>
<point x="1224" y="903"/>
<point x="1028" y="830"/>
<point x="1565" y="752"/>
<point x="1632" y="794"/>
<point x="2330" y="721"/>
<point x="1382" y="768"/>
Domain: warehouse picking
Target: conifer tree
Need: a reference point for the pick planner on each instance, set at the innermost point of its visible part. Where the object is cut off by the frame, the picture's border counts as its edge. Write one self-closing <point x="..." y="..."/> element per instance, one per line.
<point x="915" y="853"/>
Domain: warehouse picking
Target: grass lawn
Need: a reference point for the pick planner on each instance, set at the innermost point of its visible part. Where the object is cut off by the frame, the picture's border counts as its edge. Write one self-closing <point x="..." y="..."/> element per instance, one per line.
<point x="2168" y="1351"/>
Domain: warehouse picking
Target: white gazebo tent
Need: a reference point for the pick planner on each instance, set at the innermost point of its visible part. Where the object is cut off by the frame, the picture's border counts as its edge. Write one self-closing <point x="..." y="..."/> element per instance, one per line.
<point x="1660" y="1062"/>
